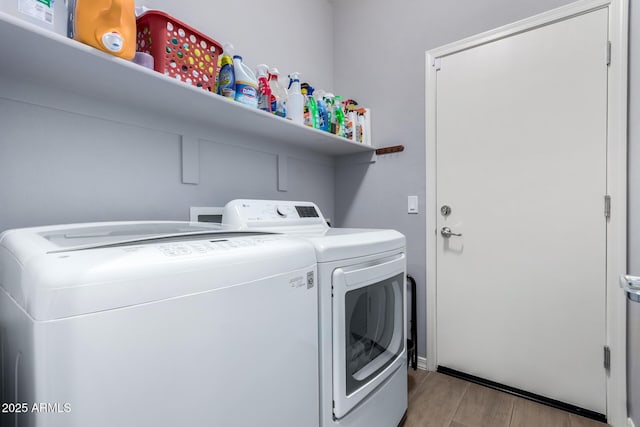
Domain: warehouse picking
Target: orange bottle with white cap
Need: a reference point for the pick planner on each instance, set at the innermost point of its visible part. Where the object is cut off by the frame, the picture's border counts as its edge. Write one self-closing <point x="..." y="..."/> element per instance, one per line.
<point x="108" y="25"/>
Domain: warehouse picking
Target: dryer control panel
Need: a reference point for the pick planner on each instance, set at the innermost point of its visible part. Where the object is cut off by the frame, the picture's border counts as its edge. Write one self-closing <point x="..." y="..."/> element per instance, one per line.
<point x="251" y="214"/>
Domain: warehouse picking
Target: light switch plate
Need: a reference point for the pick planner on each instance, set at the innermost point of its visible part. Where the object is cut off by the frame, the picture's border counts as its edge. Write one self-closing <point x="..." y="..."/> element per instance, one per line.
<point x="412" y="204"/>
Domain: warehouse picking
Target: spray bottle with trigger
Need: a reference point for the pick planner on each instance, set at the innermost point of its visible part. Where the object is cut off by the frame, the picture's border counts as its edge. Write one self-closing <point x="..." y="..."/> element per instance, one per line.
<point x="312" y="107"/>
<point x="278" y="94"/>
<point x="339" y="116"/>
<point x="295" y="100"/>
<point x="264" y="91"/>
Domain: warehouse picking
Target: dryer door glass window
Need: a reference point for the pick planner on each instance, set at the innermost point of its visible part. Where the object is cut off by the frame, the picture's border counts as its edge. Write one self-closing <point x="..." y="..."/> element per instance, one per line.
<point x="374" y="330"/>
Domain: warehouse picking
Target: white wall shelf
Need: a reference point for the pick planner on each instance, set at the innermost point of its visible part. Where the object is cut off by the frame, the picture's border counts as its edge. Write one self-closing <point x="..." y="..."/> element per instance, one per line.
<point x="34" y="54"/>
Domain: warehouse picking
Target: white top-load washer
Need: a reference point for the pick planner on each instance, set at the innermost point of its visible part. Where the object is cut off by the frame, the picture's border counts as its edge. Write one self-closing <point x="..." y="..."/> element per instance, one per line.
<point x="361" y="285"/>
<point x="157" y="324"/>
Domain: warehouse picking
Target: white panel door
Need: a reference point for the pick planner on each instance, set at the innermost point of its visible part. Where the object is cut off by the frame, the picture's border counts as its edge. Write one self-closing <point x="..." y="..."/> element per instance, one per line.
<point x="521" y="161"/>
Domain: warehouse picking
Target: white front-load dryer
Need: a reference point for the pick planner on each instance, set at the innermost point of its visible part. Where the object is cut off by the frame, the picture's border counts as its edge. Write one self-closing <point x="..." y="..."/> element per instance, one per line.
<point x="362" y="328"/>
<point x="157" y="325"/>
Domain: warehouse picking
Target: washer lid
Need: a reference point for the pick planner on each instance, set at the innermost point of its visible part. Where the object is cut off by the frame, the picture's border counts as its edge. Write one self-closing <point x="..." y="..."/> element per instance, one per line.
<point x="64" y="271"/>
<point x="78" y="236"/>
<point x="113" y="233"/>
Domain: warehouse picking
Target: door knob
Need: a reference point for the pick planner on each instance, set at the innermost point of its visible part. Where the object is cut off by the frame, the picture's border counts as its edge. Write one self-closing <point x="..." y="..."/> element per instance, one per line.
<point x="631" y="285"/>
<point x="446" y="232"/>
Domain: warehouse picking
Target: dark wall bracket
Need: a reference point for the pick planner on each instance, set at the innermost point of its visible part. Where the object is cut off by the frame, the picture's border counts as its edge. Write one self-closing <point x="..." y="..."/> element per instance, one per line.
<point x="390" y="150"/>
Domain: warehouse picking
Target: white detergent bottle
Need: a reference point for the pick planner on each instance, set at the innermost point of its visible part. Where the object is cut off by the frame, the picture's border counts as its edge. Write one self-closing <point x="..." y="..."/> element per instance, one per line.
<point x="246" y="83"/>
<point x="295" y="100"/>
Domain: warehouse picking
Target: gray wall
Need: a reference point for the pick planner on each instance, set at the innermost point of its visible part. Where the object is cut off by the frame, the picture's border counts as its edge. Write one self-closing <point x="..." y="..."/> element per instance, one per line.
<point x="68" y="158"/>
<point x="61" y="166"/>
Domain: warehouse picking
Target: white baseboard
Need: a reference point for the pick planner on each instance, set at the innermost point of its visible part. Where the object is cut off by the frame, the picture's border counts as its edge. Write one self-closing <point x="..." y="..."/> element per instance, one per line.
<point x="422" y="364"/>
<point x="630" y="423"/>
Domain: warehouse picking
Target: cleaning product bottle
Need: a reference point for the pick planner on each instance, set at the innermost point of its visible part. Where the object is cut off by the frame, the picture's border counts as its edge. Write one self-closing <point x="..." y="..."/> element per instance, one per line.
<point x="350" y="119"/>
<point x="366" y="131"/>
<point x="359" y="128"/>
<point x="312" y="106"/>
<point x="295" y="100"/>
<point x="323" y="116"/>
<point x="50" y="15"/>
<point x="304" y="89"/>
<point x="219" y="68"/>
<point x="350" y="124"/>
<point x="331" y="116"/>
<point x="339" y="113"/>
<point x="108" y="25"/>
<point x="278" y="94"/>
<point x="226" y="77"/>
<point x="264" y="91"/>
<point x="246" y="83"/>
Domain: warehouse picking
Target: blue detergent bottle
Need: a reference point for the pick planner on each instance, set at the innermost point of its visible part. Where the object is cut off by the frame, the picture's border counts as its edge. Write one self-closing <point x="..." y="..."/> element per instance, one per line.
<point x="323" y="114"/>
<point x="226" y="77"/>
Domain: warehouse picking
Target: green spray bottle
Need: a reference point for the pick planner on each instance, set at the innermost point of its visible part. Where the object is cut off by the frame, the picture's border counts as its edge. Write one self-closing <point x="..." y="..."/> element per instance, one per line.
<point x="313" y="108"/>
<point x="339" y="116"/>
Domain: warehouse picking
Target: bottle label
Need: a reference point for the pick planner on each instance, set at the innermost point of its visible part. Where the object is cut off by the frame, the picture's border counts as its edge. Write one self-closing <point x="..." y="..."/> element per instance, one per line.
<point x="41" y="10"/>
<point x="349" y="126"/>
<point x="247" y="93"/>
<point x="226" y="85"/>
<point x="225" y="77"/>
<point x="322" y="119"/>
<point x="227" y="92"/>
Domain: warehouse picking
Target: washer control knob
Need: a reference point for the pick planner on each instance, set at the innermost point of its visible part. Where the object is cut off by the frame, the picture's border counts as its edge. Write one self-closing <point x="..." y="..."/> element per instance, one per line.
<point x="281" y="212"/>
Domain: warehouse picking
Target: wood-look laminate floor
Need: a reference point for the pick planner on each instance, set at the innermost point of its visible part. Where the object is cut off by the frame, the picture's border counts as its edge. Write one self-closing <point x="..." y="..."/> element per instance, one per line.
<point x="437" y="400"/>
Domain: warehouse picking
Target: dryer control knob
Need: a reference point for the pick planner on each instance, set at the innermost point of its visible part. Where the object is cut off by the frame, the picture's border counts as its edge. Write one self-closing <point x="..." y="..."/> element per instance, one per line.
<point x="281" y="212"/>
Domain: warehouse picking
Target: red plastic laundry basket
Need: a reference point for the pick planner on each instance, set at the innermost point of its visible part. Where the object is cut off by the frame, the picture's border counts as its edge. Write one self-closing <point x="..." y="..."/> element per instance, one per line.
<point x="178" y="50"/>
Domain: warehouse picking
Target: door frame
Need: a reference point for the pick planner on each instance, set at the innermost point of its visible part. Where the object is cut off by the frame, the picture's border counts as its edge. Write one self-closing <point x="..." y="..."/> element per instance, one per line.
<point x="616" y="262"/>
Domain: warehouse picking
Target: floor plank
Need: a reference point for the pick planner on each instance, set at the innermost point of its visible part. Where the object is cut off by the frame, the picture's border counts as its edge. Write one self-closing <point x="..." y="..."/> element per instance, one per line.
<point x="531" y="414"/>
<point x="483" y="406"/>
<point x="415" y="380"/>
<point x="578" y="421"/>
<point x="435" y="401"/>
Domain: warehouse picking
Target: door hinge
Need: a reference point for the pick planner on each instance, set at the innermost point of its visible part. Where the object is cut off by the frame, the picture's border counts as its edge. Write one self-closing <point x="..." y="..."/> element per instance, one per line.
<point x="607" y="357"/>
<point x="607" y="206"/>
<point x="608" y="53"/>
<point x="437" y="64"/>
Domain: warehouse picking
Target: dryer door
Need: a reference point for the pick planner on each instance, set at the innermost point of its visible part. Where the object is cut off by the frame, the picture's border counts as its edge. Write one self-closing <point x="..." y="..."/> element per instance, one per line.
<point x="368" y="328"/>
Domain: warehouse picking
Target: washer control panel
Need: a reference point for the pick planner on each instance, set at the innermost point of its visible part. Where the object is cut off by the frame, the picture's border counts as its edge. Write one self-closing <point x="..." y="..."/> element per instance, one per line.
<point x="209" y="246"/>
